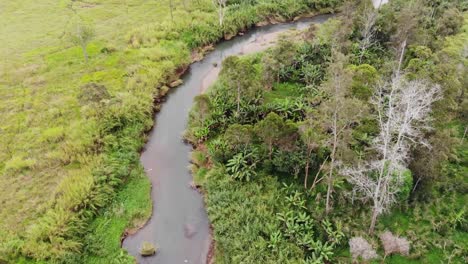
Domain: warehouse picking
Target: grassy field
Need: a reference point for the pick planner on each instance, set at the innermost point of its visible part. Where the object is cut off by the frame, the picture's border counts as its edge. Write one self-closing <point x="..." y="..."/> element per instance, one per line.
<point x="70" y="131"/>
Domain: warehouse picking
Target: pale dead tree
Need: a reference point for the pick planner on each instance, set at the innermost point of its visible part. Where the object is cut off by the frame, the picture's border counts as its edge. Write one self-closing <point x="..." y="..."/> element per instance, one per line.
<point x="221" y="6"/>
<point x="361" y="249"/>
<point x="368" y="30"/>
<point x="403" y="109"/>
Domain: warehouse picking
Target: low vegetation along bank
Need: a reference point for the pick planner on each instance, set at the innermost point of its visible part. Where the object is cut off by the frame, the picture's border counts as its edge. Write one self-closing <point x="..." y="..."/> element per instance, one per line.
<point x="346" y="146"/>
<point x="75" y="108"/>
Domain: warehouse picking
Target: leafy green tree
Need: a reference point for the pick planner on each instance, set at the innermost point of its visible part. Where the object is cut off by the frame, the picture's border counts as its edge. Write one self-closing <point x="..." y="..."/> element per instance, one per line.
<point x="270" y="130"/>
<point x="289" y="161"/>
<point x="312" y="139"/>
<point x="278" y="58"/>
<point x="450" y="22"/>
<point x="203" y="106"/>
<point x="338" y="113"/>
<point x="239" y="137"/>
<point x="364" y="78"/>
<point x="240" y="75"/>
<point x="80" y="35"/>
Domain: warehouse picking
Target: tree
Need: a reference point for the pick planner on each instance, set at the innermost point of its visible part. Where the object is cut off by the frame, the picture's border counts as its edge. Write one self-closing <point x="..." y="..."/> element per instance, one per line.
<point x="450" y="22"/>
<point x="203" y="106"/>
<point x="407" y="24"/>
<point x="274" y="60"/>
<point x="221" y="6"/>
<point x="238" y="137"/>
<point x="367" y="32"/>
<point x="338" y="113"/>
<point x="81" y="35"/>
<point x="270" y="130"/>
<point x="312" y="140"/>
<point x="240" y="75"/>
<point x="171" y="10"/>
<point x="365" y="77"/>
<point x="403" y="109"/>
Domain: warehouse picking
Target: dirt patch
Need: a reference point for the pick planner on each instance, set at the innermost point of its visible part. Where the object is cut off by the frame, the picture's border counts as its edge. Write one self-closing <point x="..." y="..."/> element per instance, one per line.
<point x="210" y="258"/>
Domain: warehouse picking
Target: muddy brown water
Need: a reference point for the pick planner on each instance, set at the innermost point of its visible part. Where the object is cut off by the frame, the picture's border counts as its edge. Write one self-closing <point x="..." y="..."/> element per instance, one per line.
<point x="179" y="225"/>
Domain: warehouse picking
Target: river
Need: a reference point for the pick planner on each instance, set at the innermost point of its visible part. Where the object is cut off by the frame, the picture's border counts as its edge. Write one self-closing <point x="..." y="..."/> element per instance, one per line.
<point x="179" y="225"/>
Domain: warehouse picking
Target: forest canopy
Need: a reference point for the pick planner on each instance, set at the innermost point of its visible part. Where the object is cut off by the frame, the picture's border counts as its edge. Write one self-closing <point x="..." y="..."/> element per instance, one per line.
<point x="349" y="148"/>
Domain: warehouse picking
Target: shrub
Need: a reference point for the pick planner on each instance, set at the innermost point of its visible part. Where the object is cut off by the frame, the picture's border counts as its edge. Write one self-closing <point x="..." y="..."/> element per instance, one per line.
<point x="17" y="164"/>
<point x="360" y="248"/>
<point x="147" y="249"/>
<point x="394" y="244"/>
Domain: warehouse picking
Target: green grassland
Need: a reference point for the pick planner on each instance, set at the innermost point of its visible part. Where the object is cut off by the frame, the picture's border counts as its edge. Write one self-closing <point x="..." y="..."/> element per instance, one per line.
<point x="70" y="131"/>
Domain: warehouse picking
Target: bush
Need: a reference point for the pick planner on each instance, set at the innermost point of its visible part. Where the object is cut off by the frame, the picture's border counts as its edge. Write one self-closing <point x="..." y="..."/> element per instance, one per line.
<point x="360" y="248"/>
<point x="394" y="244"/>
<point x="147" y="249"/>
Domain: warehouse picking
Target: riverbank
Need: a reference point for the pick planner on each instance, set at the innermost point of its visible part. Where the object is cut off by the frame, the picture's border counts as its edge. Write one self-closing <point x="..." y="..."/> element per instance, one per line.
<point x="179" y="225"/>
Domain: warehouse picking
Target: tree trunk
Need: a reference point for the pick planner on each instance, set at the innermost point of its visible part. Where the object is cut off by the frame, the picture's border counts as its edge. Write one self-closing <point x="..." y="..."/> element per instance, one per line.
<point x="85" y="53"/>
<point x="171" y="7"/>
<point x="332" y="162"/>
<point x="306" y="172"/>
<point x="270" y="150"/>
<point x="373" y="220"/>
<point x="318" y="173"/>
<point x="329" y="189"/>
<point x="221" y="15"/>
<point x="402" y="54"/>
<point x="238" y="97"/>
<point x="464" y="135"/>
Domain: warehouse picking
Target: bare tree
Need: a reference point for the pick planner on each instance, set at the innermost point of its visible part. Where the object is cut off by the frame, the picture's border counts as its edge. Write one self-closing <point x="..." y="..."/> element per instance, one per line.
<point x="403" y="109"/>
<point x="221" y="6"/>
<point x="367" y="31"/>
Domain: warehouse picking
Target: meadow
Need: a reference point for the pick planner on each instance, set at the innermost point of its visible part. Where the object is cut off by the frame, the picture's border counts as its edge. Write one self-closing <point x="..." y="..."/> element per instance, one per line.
<point x="71" y="125"/>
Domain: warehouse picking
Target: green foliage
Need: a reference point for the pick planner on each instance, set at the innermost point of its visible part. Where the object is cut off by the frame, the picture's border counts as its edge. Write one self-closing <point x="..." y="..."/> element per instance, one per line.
<point x="239" y="137"/>
<point x="270" y="130"/>
<point x="242" y="166"/>
<point x="365" y="78"/>
<point x="430" y="211"/>
<point x="406" y="186"/>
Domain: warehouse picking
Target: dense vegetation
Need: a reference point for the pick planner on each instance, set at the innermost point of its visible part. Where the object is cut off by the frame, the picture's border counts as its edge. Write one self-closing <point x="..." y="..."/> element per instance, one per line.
<point x="346" y="145"/>
<point x="78" y="82"/>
